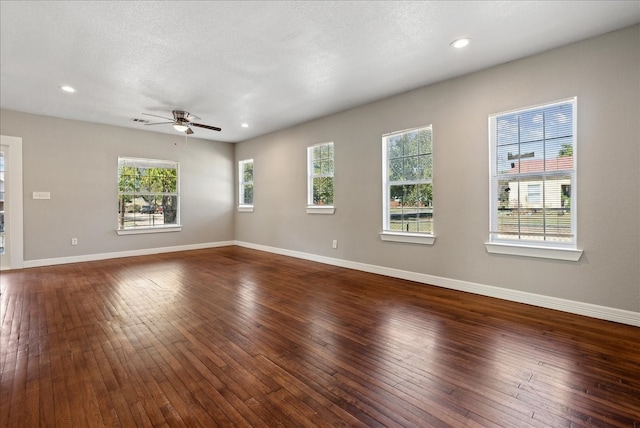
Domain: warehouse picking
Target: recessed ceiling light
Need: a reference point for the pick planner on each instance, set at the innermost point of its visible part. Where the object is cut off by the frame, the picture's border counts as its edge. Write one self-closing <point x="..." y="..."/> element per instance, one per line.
<point x="460" y="43"/>
<point x="244" y="125"/>
<point x="67" y="88"/>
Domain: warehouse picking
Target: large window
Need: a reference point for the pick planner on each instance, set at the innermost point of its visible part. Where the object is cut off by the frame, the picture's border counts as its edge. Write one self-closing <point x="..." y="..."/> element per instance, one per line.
<point x="320" y="178"/>
<point x="533" y="173"/>
<point x="148" y="195"/>
<point x="245" y="185"/>
<point x="408" y="182"/>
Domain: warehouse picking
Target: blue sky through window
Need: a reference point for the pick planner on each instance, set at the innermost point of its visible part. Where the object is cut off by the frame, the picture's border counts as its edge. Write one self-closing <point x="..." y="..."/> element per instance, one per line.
<point x="534" y="134"/>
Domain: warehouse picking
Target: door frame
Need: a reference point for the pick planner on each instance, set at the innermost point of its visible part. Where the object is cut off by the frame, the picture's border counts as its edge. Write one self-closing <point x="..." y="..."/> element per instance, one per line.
<point x="13" y="217"/>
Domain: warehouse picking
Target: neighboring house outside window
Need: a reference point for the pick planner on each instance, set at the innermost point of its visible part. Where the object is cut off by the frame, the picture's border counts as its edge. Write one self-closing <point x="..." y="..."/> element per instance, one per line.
<point x="533" y="173"/>
<point x="245" y="185"/>
<point x="320" y="182"/>
<point x="148" y="195"/>
<point x="408" y="186"/>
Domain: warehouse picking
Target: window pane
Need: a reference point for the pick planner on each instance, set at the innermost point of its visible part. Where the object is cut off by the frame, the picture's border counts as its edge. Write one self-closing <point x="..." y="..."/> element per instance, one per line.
<point x="425" y="167"/>
<point x="329" y="151"/>
<point x="327" y="167"/>
<point x="508" y="159"/>
<point x="395" y="170"/>
<point x="128" y="179"/>
<point x="144" y="179"/>
<point x="411" y="144"/>
<point x="411" y="171"/>
<point x="317" y="166"/>
<point x="535" y="208"/>
<point x="558" y="209"/>
<point x="155" y="204"/>
<point x="531" y="125"/>
<point x="411" y="208"/>
<point x="323" y="190"/>
<point x="531" y="157"/>
<point x="395" y="147"/>
<point x="559" y="154"/>
<point x="248" y="172"/>
<point x="558" y="121"/>
<point x="169" y="181"/>
<point x="248" y="194"/>
<point x="425" y="141"/>
<point x="507" y="129"/>
<point x="170" y="209"/>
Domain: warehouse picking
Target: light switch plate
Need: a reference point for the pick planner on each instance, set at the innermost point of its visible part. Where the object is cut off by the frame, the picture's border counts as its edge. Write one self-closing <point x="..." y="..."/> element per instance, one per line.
<point x="41" y="195"/>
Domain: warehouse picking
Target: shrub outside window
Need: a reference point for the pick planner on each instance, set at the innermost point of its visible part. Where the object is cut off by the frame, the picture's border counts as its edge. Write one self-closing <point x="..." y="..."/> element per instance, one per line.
<point x="533" y="173"/>
<point x="148" y="194"/>
<point x="408" y="182"/>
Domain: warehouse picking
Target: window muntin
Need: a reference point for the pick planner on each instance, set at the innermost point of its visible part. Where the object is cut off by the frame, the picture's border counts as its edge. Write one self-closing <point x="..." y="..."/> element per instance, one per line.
<point x="533" y="175"/>
<point x="245" y="186"/>
<point x="320" y="175"/>
<point x="148" y="195"/>
<point x="408" y="181"/>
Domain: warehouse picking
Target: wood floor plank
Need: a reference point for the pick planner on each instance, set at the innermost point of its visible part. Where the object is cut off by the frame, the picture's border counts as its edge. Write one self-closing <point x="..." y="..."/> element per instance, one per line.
<point x="237" y="337"/>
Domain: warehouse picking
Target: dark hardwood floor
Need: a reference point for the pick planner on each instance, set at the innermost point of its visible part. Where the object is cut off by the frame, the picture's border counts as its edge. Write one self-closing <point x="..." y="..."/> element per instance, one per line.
<point x="237" y="337"/>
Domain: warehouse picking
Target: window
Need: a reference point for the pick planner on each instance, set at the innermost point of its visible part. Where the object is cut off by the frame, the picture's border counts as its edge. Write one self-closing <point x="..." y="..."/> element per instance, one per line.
<point x="148" y="197"/>
<point x="533" y="173"/>
<point x="245" y="186"/>
<point x="408" y="186"/>
<point x="320" y="179"/>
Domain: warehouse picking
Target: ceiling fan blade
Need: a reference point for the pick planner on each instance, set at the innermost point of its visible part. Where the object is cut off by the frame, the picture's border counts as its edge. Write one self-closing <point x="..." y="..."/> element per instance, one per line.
<point x="189" y="131"/>
<point x="199" y="125"/>
<point x="158" y="123"/>
<point x="155" y="115"/>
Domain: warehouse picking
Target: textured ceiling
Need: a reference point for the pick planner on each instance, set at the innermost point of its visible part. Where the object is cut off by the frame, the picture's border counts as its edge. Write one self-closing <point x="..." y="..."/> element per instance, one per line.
<point x="269" y="64"/>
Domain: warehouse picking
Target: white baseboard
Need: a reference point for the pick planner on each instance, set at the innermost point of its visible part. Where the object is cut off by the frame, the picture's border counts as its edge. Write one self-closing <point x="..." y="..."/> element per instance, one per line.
<point x="118" y="254"/>
<point x="570" y="306"/>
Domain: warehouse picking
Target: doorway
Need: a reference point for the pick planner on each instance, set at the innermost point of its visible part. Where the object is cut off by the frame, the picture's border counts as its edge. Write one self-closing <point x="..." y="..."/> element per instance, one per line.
<point x="11" y="229"/>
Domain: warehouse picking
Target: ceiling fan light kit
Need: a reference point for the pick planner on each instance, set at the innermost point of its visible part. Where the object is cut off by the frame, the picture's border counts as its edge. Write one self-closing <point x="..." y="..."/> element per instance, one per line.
<point x="182" y="122"/>
<point x="180" y="128"/>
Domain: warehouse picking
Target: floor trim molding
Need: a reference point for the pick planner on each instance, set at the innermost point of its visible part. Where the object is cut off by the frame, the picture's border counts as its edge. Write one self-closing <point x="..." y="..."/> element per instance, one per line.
<point x="118" y="254"/>
<point x="579" y="308"/>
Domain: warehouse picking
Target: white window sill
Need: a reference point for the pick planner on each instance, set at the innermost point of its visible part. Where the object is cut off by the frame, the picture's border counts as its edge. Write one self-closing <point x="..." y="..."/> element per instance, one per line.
<point x="555" y="253"/>
<point x="411" y="238"/>
<point x="320" y="209"/>
<point x="142" y="230"/>
<point x="245" y="209"/>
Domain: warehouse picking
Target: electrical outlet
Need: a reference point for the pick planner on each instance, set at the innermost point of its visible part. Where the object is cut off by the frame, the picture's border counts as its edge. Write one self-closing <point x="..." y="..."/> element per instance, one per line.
<point x="74" y="241"/>
<point x="335" y="243"/>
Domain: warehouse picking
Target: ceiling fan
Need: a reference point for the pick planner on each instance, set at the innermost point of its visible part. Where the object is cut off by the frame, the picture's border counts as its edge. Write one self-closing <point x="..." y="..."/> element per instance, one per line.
<point x="182" y="121"/>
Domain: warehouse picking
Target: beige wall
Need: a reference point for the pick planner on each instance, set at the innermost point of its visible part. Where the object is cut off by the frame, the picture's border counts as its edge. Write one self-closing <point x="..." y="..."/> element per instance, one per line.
<point x="603" y="72"/>
<point x="77" y="162"/>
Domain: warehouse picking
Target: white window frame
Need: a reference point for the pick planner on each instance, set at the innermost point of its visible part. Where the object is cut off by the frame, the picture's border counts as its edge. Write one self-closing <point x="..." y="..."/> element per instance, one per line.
<point x="242" y="206"/>
<point x="399" y="236"/>
<point x="523" y="247"/>
<point x="150" y="163"/>
<point x="313" y="208"/>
